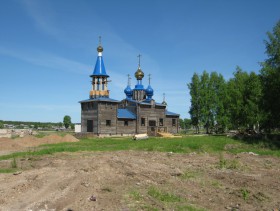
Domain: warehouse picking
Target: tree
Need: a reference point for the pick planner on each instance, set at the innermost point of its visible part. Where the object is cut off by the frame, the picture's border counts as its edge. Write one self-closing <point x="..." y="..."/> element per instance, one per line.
<point x="236" y="89"/>
<point x="245" y="92"/>
<point x="185" y="123"/>
<point x="195" y="111"/>
<point x="206" y="101"/>
<point x="67" y="121"/>
<point x="219" y="99"/>
<point x="270" y="77"/>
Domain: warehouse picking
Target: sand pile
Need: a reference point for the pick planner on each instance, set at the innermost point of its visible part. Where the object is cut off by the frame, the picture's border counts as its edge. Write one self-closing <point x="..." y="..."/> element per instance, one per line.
<point x="31" y="141"/>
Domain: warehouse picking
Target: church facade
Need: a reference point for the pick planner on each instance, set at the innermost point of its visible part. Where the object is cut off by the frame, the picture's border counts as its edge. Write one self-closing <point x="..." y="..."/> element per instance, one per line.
<point x="136" y="114"/>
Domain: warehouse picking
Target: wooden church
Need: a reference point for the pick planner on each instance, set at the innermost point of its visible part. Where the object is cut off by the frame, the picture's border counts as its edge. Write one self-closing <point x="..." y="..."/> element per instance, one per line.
<point x="136" y="114"/>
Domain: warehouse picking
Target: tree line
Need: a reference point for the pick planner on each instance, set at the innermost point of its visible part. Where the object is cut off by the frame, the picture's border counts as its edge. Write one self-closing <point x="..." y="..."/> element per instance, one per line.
<point x="67" y="123"/>
<point x="245" y="101"/>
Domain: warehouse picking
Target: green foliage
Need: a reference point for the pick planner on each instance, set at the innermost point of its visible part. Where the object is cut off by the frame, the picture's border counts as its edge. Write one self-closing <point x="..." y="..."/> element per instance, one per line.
<point x="246" y="101"/>
<point x="185" y="123"/>
<point x="270" y="76"/>
<point x="208" y="95"/>
<point x="67" y="121"/>
<point x="195" y="109"/>
<point x="245" y="92"/>
<point x="1" y="124"/>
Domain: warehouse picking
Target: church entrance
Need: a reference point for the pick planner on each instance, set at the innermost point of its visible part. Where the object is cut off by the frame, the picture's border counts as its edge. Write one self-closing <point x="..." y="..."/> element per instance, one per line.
<point x="89" y="125"/>
<point x="152" y="123"/>
<point x="152" y="128"/>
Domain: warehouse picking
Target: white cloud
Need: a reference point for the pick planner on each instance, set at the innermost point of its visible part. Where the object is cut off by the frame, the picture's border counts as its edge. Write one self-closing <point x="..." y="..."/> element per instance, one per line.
<point x="47" y="60"/>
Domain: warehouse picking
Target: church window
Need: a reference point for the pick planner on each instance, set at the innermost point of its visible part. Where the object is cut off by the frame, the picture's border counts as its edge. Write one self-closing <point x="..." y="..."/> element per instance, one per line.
<point x="160" y="122"/>
<point x="173" y="122"/>
<point x="108" y="122"/>
<point x="142" y="121"/>
<point x="126" y="123"/>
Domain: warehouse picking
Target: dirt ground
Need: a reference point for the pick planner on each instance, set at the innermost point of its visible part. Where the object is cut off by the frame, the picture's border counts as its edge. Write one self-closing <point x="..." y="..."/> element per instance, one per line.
<point x="8" y="145"/>
<point x="125" y="180"/>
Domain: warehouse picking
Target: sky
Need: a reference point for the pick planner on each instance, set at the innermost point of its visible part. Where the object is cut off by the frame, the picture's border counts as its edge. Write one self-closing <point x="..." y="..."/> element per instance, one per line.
<point x="48" y="49"/>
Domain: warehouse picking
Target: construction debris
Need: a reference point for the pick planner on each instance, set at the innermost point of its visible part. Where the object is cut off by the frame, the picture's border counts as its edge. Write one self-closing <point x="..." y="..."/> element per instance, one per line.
<point x="140" y="136"/>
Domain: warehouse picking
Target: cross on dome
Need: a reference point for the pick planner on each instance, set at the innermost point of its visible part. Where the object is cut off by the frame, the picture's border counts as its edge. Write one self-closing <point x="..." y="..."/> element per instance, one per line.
<point x="149" y="79"/>
<point x="139" y="57"/>
<point x="128" y="80"/>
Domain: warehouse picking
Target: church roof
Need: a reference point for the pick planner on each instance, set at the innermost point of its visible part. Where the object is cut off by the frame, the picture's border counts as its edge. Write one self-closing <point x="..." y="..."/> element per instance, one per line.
<point x="103" y="99"/>
<point x="99" y="69"/>
<point x="125" y="114"/>
<point x="169" y="113"/>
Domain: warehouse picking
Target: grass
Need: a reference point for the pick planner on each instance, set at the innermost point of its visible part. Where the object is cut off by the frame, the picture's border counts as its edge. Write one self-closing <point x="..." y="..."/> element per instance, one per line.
<point x="187" y="144"/>
<point x="228" y="164"/>
<point x="7" y="171"/>
<point x="245" y="193"/>
<point x="163" y="196"/>
<point x="190" y="175"/>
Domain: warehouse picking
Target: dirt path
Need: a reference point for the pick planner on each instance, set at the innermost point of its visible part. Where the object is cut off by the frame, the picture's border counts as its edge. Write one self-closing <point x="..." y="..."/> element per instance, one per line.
<point x="125" y="181"/>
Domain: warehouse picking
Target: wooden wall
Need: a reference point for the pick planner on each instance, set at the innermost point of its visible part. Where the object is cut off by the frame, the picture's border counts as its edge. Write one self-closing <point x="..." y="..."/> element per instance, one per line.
<point x="126" y="129"/>
<point x="89" y="112"/>
<point x="170" y="127"/>
<point x="107" y="111"/>
<point x="149" y="112"/>
<point x="99" y="112"/>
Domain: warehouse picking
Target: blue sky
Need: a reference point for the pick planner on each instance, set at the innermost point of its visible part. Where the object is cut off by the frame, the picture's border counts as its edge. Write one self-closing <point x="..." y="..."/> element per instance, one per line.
<point x="48" y="49"/>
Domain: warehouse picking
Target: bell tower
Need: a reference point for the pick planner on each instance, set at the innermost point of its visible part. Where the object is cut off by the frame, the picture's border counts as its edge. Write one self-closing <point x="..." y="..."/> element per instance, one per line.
<point x="99" y="76"/>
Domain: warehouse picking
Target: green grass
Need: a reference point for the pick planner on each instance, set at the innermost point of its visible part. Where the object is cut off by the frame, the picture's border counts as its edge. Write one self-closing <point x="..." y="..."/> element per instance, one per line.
<point x="187" y="144"/>
<point x="188" y="208"/>
<point x="163" y="196"/>
<point x="245" y="193"/>
<point x="7" y="171"/>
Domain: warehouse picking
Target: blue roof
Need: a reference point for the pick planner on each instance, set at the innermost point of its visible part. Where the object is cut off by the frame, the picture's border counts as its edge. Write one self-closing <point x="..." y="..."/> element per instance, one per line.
<point x="169" y="113"/>
<point x="99" y="69"/>
<point x="125" y="114"/>
<point x="104" y="99"/>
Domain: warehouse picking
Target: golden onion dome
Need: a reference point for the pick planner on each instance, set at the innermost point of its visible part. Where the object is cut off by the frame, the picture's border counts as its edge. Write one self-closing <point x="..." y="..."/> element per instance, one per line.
<point x="139" y="74"/>
<point x="99" y="48"/>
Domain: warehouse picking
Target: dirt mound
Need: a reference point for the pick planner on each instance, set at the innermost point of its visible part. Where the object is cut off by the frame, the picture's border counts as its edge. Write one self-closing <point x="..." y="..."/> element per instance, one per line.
<point x="31" y="141"/>
<point x="8" y="144"/>
<point x="167" y="135"/>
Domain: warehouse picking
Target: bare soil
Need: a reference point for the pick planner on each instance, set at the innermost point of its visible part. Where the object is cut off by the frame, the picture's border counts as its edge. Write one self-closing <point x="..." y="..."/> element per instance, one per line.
<point x="123" y="180"/>
<point x="8" y="145"/>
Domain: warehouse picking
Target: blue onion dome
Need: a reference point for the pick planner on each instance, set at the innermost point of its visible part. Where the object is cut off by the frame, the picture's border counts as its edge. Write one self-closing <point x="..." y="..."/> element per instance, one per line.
<point x="149" y="91"/>
<point x="128" y="91"/>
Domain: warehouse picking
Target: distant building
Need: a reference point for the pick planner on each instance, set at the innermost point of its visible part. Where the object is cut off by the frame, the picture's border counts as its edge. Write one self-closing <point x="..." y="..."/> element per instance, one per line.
<point x="137" y="113"/>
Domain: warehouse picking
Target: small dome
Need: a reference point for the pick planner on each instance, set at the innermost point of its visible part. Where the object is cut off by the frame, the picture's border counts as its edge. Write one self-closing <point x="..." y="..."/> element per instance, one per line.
<point x="149" y="91"/>
<point x="164" y="103"/>
<point x="128" y="91"/>
<point x="139" y="74"/>
<point x="100" y="48"/>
